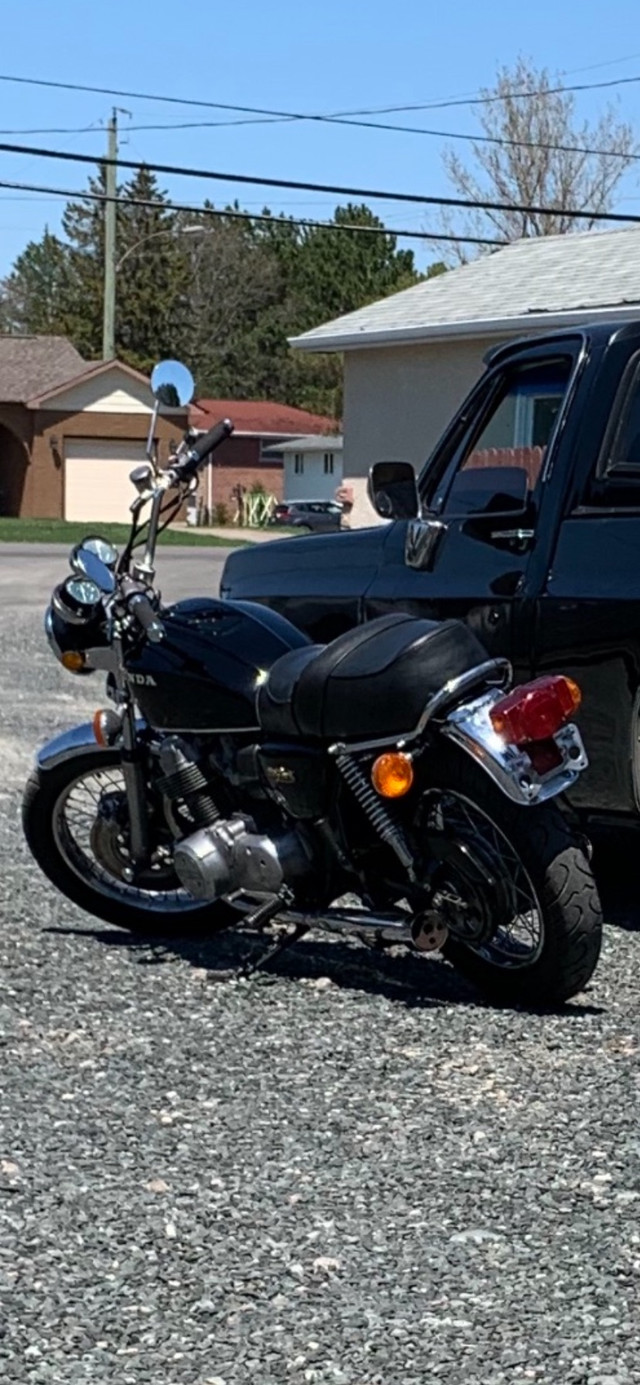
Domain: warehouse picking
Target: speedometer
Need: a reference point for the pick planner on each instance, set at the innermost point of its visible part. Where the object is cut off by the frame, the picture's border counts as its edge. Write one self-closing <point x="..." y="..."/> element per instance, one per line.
<point x="78" y="599"/>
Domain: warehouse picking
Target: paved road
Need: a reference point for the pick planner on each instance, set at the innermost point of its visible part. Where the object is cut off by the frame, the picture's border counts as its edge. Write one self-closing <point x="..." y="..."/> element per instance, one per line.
<point x="33" y="570"/>
<point x="349" y="1173"/>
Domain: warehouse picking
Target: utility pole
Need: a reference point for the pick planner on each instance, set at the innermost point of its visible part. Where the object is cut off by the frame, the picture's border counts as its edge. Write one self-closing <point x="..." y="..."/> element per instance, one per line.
<point x="109" y="304"/>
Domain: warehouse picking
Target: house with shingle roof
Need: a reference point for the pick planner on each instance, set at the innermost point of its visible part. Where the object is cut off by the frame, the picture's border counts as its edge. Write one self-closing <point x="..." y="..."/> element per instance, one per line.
<point x="72" y="430"/>
<point x="410" y="359"/>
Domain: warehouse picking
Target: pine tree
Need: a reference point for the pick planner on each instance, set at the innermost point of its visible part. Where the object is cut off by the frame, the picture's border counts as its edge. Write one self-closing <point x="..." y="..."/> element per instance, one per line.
<point x="37" y="295"/>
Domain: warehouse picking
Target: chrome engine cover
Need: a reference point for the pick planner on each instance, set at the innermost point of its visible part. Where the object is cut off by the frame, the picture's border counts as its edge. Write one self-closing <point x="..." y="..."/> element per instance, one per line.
<point x="232" y="855"/>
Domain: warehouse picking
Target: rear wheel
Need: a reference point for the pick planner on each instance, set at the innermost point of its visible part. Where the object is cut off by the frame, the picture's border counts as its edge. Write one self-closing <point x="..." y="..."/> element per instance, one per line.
<point x="75" y="820"/>
<point x="514" y="885"/>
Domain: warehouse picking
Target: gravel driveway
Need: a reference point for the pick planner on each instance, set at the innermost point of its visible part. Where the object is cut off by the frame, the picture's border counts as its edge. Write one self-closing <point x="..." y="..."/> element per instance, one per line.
<point x="349" y="1172"/>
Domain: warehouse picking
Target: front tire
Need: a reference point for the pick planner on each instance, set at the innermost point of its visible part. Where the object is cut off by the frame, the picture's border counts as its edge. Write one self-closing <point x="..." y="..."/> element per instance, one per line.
<point x="57" y="811"/>
<point x="529" y="844"/>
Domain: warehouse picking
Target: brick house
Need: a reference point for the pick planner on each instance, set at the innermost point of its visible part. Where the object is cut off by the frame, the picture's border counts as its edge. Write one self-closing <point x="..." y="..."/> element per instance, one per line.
<point x="251" y="455"/>
<point x="70" y="432"/>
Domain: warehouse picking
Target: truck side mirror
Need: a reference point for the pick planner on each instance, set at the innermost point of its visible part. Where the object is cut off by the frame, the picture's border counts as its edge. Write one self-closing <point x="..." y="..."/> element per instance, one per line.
<point x="393" y="490"/>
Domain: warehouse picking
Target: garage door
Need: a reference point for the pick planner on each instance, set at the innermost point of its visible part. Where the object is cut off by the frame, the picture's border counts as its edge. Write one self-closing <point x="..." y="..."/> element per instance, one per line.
<point x="96" y="479"/>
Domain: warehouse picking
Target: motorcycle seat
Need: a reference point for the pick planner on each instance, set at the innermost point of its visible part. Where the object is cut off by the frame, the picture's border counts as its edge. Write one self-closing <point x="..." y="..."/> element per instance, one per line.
<point x="373" y="681"/>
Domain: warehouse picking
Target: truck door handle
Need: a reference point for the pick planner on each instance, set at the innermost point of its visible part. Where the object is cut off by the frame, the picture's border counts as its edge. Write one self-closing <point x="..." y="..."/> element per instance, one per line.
<point x="513" y="534"/>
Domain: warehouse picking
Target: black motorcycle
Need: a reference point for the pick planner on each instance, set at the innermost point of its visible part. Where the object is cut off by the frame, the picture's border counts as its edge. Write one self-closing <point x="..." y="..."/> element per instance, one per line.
<point x="387" y="785"/>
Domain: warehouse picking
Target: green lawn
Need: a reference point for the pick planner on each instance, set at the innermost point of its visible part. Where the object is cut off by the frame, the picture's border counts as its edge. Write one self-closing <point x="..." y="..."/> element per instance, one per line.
<point x="61" y="531"/>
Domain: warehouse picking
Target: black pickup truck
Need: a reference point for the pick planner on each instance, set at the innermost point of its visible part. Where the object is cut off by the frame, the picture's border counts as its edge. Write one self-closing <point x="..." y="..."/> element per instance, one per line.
<point x="528" y="529"/>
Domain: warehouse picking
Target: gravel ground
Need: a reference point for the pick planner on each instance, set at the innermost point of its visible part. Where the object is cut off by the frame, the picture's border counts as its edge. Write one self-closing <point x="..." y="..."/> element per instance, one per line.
<point x="349" y="1172"/>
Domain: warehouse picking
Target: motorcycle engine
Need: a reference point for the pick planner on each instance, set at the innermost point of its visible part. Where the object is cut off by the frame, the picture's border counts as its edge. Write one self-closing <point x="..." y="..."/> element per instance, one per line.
<point x="232" y="855"/>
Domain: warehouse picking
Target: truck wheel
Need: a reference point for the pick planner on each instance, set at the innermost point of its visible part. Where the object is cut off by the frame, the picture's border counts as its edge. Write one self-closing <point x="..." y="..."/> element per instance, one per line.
<point x="514" y="885"/>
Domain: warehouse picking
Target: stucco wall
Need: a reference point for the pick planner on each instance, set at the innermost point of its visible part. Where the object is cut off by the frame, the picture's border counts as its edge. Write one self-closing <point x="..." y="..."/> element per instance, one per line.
<point x="398" y="401"/>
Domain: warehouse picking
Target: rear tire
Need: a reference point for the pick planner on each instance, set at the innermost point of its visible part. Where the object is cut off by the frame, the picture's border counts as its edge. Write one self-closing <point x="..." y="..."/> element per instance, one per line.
<point x="553" y="860"/>
<point x="54" y="850"/>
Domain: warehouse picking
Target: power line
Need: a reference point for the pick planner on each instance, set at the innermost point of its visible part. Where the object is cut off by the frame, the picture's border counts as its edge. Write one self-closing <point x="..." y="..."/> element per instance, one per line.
<point x="65" y="130"/>
<point x="368" y="125"/>
<point x="265" y="116"/>
<point x="384" y="126"/>
<point x="450" y="102"/>
<point x="489" y="98"/>
<point x="177" y="170"/>
<point x="230" y="215"/>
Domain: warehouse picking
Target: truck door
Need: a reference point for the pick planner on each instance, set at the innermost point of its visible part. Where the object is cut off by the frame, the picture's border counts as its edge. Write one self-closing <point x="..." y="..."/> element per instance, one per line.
<point x="488" y="487"/>
<point x="588" y="621"/>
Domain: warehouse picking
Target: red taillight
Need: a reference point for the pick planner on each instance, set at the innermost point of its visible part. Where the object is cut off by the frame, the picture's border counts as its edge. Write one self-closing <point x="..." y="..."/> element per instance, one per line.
<point x="535" y="711"/>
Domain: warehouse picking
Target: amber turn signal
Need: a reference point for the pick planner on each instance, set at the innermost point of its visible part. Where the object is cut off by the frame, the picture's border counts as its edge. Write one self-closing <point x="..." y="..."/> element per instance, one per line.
<point x="392" y="775"/>
<point x="73" y="661"/>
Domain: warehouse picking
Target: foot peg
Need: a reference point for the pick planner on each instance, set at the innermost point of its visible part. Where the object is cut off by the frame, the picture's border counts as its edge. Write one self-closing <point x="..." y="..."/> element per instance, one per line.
<point x="428" y="932"/>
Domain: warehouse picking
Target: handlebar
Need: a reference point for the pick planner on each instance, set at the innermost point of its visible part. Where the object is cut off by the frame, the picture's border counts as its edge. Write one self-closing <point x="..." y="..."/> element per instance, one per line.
<point x="189" y="465"/>
<point x="140" y="607"/>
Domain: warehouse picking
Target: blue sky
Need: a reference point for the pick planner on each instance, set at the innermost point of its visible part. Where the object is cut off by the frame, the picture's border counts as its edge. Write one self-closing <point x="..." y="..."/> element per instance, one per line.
<point x="338" y="55"/>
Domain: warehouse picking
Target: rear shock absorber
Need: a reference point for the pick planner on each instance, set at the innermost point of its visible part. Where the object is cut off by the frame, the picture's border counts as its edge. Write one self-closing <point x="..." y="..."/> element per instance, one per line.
<point x="183" y="779"/>
<point x="376" y="812"/>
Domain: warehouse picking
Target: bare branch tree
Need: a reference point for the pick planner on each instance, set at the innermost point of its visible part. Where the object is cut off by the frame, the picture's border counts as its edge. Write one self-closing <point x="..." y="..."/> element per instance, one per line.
<point x="534" y="151"/>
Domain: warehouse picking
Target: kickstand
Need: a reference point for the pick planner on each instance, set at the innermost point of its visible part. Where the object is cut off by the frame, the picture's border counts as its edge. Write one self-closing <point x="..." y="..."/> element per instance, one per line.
<point x="259" y="919"/>
<point x="293" y="935"/>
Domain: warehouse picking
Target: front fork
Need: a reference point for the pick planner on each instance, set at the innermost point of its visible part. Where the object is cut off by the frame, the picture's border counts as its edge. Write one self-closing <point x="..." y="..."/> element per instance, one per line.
<point x="132" y="764"/>
<point x="135" y="786"/>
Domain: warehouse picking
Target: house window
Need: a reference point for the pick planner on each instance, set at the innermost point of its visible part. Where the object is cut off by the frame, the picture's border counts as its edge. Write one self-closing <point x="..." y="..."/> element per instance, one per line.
<point x="328" y="463"/>
<point x="298" y="463"/>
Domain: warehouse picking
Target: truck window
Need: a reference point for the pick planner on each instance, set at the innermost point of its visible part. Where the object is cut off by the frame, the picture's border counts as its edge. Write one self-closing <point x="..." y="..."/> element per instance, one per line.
<point x="621" y="450"/>
<point x="510" y="436"/>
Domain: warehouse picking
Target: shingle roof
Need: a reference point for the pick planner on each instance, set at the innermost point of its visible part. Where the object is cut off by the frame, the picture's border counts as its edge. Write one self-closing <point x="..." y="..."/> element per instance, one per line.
<point x="30" y="366"/>
<point x="525" y="284"/>
<point x="259" y="418"/>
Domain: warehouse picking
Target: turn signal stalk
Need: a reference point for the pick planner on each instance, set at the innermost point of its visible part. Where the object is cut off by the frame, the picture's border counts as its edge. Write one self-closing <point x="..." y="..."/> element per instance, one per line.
<point x="535" y="711"/>
<point x="106" y="727"/>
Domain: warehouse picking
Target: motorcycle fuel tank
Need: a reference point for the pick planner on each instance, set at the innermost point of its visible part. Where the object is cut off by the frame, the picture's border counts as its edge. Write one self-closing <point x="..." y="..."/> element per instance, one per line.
<point x="204" y="674"/>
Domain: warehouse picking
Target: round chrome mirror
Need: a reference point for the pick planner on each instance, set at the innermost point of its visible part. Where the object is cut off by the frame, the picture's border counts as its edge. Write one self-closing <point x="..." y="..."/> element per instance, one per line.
<point x="105" y="551"/>
<point x="172" y="384"/>
<point x="87" y="564"/>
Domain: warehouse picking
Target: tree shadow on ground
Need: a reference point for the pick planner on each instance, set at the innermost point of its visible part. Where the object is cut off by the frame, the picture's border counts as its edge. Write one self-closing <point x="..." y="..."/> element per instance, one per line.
<point x="408" y="979"/>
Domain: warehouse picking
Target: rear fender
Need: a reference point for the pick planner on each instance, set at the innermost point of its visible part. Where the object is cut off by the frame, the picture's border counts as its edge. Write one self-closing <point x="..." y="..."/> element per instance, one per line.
<point x="509" y="766"/>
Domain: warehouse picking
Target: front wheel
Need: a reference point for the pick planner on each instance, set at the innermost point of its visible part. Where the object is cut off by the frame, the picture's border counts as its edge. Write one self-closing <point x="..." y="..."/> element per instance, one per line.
<point x="514" y="885"/>
<point x="75" y="820"/>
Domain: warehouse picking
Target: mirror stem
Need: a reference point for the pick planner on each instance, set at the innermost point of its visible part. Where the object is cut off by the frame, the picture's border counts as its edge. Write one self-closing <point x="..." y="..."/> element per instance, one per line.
<point x="151" y="451"/>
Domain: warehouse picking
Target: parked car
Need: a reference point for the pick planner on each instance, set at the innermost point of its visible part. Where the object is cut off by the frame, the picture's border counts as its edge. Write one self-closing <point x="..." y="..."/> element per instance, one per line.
<point x="529" y="529"/>
<point x="319" y="516"/>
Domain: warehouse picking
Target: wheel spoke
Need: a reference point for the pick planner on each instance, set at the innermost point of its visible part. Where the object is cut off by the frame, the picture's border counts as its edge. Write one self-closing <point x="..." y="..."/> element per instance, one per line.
<point x="76" y="815"/>
<point x="517" y="936"/>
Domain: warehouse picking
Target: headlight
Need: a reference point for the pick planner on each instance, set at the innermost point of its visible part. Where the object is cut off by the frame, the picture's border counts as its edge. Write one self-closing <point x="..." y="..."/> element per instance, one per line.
<point x="75" y="624"/>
